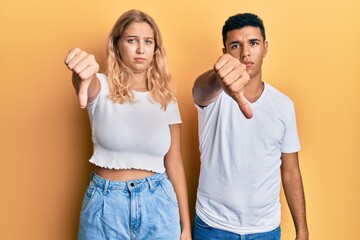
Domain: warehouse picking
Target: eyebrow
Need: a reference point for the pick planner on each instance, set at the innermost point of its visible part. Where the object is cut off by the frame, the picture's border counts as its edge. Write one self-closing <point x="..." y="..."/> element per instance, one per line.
<point x="255" y="40"/>
<point x="234" y="42"/>
<point x="250" y="40"/>
<point x="135" y="36"/>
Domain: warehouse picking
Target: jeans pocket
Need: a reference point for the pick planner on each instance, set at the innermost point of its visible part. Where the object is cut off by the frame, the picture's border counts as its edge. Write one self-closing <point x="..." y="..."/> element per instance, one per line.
<point x="89" y="195"/>
<point x="169" y="191"/>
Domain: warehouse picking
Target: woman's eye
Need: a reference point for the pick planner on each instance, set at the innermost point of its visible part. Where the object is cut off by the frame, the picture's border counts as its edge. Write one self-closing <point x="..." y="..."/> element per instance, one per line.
<point x="148" y="42"/>
<point x="130" y="40"/>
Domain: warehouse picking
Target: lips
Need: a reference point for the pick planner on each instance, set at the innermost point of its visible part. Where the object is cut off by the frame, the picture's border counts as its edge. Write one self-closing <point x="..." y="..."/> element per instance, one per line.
<point x="248" y="64"/>
<point x="140" y="59"/>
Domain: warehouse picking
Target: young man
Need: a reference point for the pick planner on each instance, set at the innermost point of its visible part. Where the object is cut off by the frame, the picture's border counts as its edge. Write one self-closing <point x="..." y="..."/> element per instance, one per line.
<point x="248" y="135"/>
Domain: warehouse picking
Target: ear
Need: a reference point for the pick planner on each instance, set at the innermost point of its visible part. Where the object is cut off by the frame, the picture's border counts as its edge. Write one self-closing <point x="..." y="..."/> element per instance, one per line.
<point x="266" y="45"/>
<point x="224" y="50"/>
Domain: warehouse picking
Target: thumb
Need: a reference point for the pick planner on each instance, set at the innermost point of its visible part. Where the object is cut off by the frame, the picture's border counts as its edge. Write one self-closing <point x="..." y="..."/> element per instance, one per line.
<point x="244" y="105"/>
<point x="83" y="93"/>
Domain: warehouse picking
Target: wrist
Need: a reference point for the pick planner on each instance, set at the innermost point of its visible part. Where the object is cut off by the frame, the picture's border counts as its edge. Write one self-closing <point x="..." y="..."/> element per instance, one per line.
<point x="186" y="232"/>
<point x="186" y="228"/>
<point x="302" y="234"/>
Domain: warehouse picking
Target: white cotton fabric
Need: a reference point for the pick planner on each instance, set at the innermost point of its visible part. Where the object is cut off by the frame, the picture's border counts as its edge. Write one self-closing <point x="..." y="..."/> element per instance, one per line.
<point x="130" y="135"/>
<point x="239" y="181"/>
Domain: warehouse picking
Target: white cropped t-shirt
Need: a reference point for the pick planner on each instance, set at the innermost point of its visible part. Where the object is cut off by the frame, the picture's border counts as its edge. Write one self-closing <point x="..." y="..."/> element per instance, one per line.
<point x="130" y="135"/>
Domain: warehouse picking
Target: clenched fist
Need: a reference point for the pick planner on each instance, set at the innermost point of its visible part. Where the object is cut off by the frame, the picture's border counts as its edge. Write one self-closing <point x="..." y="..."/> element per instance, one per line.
<point x="84" y="68"/>
<point x="233" y="78"/>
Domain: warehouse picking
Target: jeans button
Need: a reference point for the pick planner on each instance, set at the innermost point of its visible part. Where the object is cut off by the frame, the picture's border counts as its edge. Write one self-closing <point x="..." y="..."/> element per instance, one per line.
<point x="132" y="184"/>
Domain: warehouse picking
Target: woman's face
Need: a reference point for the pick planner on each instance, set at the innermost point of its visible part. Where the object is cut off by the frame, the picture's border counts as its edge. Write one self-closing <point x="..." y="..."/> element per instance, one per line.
<point x="137" y="46"/>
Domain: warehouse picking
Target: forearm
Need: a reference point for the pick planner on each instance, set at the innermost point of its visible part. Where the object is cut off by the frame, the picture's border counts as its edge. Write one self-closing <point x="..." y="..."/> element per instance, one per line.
<point x="177" y="177"/>
<point x="294" y="192"/>
<point x="175" y="170"/>
<point x="206" y="88"/>
<point x="76" y="82"/>
<point x="92" y="91"/>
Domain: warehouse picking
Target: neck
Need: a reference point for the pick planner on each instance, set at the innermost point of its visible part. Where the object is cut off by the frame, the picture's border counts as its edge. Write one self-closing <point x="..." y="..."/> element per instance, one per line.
<point x="139" y="82"/>
<point x="254" y="89"/>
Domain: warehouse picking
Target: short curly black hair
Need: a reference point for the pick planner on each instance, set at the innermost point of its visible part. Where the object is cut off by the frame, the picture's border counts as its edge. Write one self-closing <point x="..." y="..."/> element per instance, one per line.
<point x="241" y="20"/>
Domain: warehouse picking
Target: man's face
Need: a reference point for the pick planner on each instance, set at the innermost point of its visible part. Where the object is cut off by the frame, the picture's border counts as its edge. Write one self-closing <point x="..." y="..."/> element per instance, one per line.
<point x="247" y="45"/>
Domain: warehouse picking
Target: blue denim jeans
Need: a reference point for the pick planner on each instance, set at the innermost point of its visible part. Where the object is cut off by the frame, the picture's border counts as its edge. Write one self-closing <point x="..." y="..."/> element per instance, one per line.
<point x="138" y="209"/>
<point x="202" y="231"/>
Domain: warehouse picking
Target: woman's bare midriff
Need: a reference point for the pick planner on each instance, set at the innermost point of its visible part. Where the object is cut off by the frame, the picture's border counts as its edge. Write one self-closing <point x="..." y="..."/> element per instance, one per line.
<point x="122" y="174"/>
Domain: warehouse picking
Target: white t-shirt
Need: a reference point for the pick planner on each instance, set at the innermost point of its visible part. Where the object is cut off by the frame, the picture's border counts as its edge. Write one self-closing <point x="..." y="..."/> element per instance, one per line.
<point x="130" y="135"/>
<point x="239" y="183"/>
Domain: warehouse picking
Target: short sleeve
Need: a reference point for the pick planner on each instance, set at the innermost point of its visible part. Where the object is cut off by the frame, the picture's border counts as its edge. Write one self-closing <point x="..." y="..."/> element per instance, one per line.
<point x="173" y="113"/>
<point x="291" y="141"/>
<point x="104" y="88"/>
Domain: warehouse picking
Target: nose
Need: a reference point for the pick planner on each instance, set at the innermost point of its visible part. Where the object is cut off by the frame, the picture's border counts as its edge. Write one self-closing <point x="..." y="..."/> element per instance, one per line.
<point x="245" y="51"/>
<point x="140" y="48"/>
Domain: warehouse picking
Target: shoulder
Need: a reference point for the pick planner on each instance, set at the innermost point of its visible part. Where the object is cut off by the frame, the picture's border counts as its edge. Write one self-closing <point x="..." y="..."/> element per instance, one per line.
<point x="172" y="105"/>
<point x="104" y="90"/>
<point x="280" y="104"/>
<point x="102" y="78"/>
<point x="277" y="96"/>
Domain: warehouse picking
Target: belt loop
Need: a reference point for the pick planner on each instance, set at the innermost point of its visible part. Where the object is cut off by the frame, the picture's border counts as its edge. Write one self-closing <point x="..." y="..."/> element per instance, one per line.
<point x="106" y="186"/>
<point x="92" y="175"/>
<point x="148" y="179"/>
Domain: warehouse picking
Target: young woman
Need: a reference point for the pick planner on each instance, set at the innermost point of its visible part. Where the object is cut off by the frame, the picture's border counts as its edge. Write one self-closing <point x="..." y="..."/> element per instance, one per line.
<point x="138" y="190"/>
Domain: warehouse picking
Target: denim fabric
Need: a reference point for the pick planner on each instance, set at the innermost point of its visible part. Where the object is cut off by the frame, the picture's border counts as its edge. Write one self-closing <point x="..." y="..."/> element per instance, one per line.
<point x="138" y="209"/>
<point x="202" y="231"/>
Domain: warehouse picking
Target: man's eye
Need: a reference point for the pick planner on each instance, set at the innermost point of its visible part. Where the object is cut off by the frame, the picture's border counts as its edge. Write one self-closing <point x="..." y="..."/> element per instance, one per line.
<point x="233" y="46"/>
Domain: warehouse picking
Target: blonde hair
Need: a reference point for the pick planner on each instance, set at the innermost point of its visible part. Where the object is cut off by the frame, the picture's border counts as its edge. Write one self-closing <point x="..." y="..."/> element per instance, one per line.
<point x="119" y="75"/>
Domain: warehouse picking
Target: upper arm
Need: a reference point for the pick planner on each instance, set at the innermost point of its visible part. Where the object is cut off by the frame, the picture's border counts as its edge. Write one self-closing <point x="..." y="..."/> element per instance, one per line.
<point x="290" y="164"/>
<point x="173" y="156"/>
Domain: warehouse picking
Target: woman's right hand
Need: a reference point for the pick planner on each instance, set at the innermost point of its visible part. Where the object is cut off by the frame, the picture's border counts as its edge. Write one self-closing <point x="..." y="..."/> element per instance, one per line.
<point x="84" y="68"/>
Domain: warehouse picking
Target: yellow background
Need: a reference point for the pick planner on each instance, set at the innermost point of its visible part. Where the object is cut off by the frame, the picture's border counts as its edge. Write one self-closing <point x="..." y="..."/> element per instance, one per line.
<point x="45" y="139"/>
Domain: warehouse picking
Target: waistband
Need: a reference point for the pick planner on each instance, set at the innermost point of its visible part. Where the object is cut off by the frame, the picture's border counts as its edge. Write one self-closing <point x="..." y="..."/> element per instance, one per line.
<point x="106" y="184"/>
